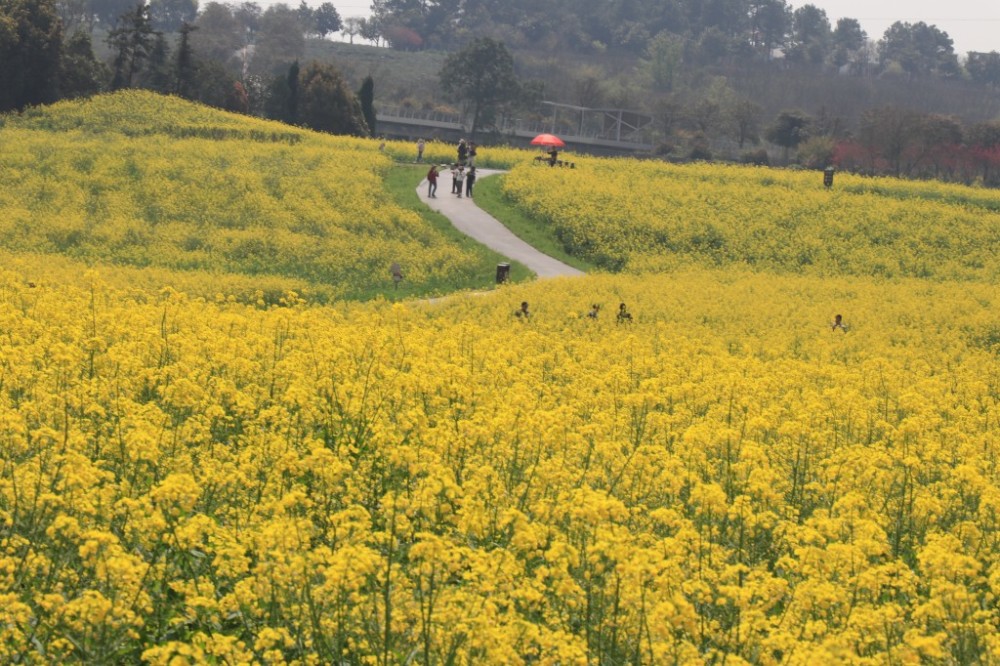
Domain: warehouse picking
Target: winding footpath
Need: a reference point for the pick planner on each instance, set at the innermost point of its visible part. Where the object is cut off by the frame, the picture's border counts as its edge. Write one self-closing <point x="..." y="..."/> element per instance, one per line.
<point x="473" y="221"/>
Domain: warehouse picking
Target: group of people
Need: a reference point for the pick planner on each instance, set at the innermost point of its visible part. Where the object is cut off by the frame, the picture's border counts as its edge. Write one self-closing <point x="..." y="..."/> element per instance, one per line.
<point x="623" y="317"/>
<point x="463" y="170"/>
<point x="461" y="180"/>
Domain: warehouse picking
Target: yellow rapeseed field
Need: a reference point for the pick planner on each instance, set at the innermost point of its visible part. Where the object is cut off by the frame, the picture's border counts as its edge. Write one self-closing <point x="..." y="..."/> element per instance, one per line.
<point x="146" y="181"/>
<point x="725" y="477"/>
<point x="650" y="216"/>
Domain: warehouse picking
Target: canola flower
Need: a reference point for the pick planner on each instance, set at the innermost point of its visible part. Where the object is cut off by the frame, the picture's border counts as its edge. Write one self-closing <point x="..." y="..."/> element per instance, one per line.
<point x="141" y="180"/>
<point x="648" y="216"/>
<point x="191" y="477"/>
<point x="185" y="481"/>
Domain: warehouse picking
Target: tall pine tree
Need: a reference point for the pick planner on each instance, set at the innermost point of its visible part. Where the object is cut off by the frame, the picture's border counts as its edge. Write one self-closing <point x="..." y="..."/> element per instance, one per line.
<point x="132" y="41"/>
<point x="367" y="98"/>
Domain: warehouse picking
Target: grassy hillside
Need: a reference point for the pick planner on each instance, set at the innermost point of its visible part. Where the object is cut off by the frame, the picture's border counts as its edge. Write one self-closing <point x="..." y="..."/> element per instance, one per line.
<point x="145" y="181"/>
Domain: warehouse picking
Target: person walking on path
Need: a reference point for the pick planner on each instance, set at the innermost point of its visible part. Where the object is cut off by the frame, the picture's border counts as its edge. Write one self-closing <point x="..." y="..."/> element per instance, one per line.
<point x="432" y="182"/>
<point x="476" y="223"/>
<point x="420" y="150"/>
<point x="470" y="180"/>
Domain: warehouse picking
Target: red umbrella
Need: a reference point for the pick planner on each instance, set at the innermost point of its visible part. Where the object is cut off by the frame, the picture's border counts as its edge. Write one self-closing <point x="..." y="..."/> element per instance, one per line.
<point x="548" y="140"/>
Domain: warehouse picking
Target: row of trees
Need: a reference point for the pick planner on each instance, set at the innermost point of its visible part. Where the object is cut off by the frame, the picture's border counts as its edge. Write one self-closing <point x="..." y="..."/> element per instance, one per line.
<point x="38" y="65"/>
<point x="169" y="15"/>
<point x="904" y="143"/>
<point x="895" y="141"/>
<point x="705" y="31"/>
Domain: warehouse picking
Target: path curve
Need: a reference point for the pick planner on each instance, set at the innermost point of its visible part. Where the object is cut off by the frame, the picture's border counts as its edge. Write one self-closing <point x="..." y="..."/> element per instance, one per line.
<point x="473" y="221"/>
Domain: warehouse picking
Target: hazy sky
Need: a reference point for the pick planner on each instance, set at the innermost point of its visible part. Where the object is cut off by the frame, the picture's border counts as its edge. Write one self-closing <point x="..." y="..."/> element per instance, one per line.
<point x="973" y="25"/>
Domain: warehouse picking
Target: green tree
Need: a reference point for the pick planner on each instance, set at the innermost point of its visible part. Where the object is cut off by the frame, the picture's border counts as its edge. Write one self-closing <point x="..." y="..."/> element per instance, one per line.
<point x="848" y="39"/>
<point x="663" y="60"/>
<point x="214" y="85"/>
<point x="219" y="34"/>
<point x="743" y="120"/>
<point x="352" y="27"/>
<point x="158" y="73"/>
<point x="366" y="96"/>
<point x="984" y="67"/>
<point x="307" y="17"/>
<point x="889" y="132"/>
<point x="482" y="77"/>
<point x="30" y="49"/>
<point x="811" y="35"/>
<point x="789" y="129"/>
<point x="326" y="19"/>
<point x="327" y="103"/>
<point x="80" y="73"/>
<point x="132" y="41"/>
<point x="370" y="30"/>
<point x="816" y="152"/>
<point x="186" y="65"/>
<point x="293" y="94"/>
<point x="920" y="49"/>
<point x="770" y="22"/>
<point x="280" y="39"/>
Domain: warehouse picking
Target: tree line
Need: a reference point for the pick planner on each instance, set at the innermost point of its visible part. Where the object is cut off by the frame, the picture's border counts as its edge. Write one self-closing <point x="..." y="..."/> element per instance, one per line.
<point x="707" y="31"/>
<point x="246" y="59"/>
<point x="239" y="58"/>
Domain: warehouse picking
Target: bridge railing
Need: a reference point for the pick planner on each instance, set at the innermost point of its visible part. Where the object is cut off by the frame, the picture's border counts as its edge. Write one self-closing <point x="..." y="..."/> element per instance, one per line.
<point x="518" y="126"/>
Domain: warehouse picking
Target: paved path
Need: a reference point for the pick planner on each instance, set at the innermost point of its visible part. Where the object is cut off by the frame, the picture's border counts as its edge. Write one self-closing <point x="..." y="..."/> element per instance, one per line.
<point x="473" y="221"/>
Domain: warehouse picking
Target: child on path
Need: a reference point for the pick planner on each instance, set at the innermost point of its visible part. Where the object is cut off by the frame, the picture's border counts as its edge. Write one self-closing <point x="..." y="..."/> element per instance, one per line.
<point x="470" y="180"/>
<point x="432" y="182"/>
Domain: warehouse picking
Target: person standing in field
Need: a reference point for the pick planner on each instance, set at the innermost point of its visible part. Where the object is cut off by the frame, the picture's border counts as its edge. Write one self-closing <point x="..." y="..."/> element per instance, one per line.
<point x="838" y="324"/>
<point x="624" y="316"/>
<point x="472" y="153"/>
<point x="470" y="180"/>
<point x="523" y="312"/>
<point x="463" y="151"/>
<point x="420" y="150"/>
<point x="432" y="182"/>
